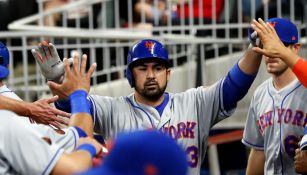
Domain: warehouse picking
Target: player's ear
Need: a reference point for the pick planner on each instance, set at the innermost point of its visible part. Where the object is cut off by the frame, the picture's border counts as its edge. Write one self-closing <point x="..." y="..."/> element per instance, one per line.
<point x="297" y="47"/>
<point x="168" y="73"/>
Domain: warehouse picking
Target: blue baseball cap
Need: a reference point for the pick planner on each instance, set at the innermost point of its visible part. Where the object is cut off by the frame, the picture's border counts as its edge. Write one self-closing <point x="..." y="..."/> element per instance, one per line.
<point x="285" y="29"/>
<point x="4" y="61"/>
<point x="143" y="153"/>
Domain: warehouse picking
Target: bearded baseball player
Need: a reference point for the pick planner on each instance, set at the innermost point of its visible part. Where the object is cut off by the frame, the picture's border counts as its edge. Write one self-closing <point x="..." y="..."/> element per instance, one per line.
<point x="277" y="113"/>
<point x="187" y="117"/>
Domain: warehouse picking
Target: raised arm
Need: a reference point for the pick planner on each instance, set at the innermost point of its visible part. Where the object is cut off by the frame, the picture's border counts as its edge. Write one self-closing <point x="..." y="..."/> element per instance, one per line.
<point x="77" y="84"/>
<point x="240" y="78"/>
<point x="273" y="47"/>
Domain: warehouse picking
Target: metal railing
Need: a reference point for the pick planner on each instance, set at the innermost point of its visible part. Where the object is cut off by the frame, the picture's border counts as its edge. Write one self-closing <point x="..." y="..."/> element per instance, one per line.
<point x="106" y="36"/>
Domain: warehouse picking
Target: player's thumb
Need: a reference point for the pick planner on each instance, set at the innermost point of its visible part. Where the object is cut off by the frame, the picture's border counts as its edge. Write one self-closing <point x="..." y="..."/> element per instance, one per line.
<point x="53" y="86"/>
<point x="258" y="50"/>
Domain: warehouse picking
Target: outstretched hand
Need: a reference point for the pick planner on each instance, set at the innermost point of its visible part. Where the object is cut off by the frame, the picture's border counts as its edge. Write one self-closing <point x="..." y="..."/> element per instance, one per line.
<point x="41" y="112"/>
<point x="272" y="45"/>
<point x="75" y="78"/>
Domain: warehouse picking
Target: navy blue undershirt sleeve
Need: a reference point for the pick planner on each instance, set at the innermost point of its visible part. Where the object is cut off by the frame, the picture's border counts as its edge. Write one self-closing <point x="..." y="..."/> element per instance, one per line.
<point x="64" y="105"/>
<point x="235" y="86"/>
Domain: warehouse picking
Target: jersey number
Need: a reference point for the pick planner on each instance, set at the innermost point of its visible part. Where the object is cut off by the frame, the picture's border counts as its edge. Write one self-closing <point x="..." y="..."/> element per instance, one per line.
<point x="291" y="143"/>
<point x="192" y="153"/>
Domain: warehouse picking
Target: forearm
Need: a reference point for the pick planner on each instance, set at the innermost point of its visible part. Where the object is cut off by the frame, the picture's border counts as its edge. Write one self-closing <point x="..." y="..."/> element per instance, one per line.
<point x="250" y="62"/>
<point x="235" y="86"/>
<point x="73" y="163"/>
<point x="255" y="165"/>
<point x="19" y="107"/>
<point x="300" y="70"/>
<point x="83" y="121"/>
<point x="81" y="115"/>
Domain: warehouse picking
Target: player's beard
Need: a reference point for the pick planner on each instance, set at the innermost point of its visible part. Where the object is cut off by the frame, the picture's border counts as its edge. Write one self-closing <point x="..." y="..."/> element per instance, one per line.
<point x="151" y="94"/>
<point x="278" y="71"/>
<point x="276" y="66"/>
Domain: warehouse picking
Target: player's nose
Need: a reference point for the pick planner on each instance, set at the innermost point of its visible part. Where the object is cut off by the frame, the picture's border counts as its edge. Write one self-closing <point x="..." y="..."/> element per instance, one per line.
<point x="150" y="73"/>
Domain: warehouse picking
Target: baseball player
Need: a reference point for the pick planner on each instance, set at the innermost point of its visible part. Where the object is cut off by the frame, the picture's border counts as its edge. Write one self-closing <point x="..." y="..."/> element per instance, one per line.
<point x="39" y="111"/>
<point x="273" y="47"/>
<point x="187" y="117"/>
<point x="65" y="138"/>
<point x="23" y="150"/>
<point x="277" y="113"/>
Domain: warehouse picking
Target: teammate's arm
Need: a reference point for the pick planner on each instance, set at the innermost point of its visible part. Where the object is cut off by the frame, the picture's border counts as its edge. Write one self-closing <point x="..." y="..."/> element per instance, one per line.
<point x="240" y="78"/>
<point x="79" y="160"/>
<point x="40" y="111"/>
<point x="273" y="47"/>
<point x="255" y="164"/>
<point x="77" y="84"/>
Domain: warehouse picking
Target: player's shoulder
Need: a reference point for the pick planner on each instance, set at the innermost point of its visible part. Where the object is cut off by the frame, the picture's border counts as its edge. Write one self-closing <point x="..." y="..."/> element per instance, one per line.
<point x="106" y="98"/>
<point x="189" y="91"/>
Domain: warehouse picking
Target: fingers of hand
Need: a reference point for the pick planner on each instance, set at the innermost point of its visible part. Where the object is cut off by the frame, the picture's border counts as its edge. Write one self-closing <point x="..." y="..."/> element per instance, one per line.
<point x="83" y="64"/>
<point x="76" y="64"/>
<point x="37" y="56"/>
<point x="66" y="67"/>
<point x="54" y="52"/>
<point x="52" y="99"/>
<point x="53" y="85"/>
<point x="55" y="124"/>
<point x="61" y="113"/>
<point x="91" y="70"/>
<point x="258" y="50"/>
<point x="264" y="25"/>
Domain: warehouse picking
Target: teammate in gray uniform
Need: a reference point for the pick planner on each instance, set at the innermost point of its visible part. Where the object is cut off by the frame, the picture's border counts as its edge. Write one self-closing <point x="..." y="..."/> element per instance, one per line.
<point x="42" y="112"/>
<point x="23" y="150"/>
<point x="277" y="113"/>
<point x="187" y="117"/>
<point x="39" y="111"/>
<point x="273" y="47"/>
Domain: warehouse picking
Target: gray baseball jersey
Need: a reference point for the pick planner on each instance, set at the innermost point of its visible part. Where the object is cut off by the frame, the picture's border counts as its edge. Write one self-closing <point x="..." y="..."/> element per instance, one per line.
<point x="275" y="124"/>
<point x="187" y="117"/>
<point x="22" y="149"/>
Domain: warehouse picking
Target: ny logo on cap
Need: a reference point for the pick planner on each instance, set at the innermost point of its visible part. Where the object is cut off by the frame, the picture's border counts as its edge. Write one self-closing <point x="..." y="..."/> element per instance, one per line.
<point x="149" y="45"/>
<point x="273" y="24"/>
<point x="293" y="38"/>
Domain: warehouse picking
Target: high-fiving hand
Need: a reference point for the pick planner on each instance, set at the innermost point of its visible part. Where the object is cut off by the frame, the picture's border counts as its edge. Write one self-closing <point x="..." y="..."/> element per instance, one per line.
<point x="75" y="78"/>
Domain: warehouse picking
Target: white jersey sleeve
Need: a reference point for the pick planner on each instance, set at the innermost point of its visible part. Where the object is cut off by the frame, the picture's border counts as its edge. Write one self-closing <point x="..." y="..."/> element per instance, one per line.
<point x="252" y="136"/>
<point x="22" y="149"/>
<point x="5" y="91"/>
